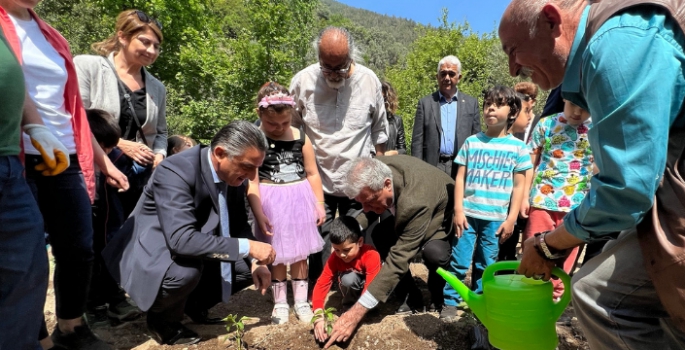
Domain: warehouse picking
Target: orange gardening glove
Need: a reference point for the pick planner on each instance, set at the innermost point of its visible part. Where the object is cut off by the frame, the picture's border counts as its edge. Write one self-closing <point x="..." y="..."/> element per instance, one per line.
<point x="55" y="155"/>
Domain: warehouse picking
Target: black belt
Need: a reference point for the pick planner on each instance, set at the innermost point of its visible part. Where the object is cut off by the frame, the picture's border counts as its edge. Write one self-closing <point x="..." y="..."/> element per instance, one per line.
<point x="444" y="158"/>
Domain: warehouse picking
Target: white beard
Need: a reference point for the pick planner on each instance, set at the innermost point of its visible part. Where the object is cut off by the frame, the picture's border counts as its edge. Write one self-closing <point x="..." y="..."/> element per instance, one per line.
<point x="335" y="84"/>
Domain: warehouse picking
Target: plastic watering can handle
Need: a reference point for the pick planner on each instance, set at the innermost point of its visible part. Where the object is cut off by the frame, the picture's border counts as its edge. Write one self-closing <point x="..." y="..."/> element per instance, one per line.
<point x="559" y="307"/>
<point x="489" y="273"/>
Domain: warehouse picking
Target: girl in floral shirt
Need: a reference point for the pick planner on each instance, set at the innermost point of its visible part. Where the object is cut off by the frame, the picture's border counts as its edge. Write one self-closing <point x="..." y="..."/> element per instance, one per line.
<point x="561" y="152"/>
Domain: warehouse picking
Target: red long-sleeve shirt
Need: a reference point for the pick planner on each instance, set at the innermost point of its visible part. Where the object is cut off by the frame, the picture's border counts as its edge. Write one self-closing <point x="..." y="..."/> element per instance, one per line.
<point x="368" y="263"/>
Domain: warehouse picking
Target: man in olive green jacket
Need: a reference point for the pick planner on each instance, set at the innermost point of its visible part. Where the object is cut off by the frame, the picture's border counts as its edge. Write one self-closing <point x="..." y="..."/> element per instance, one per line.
<point x="420" y="198"/>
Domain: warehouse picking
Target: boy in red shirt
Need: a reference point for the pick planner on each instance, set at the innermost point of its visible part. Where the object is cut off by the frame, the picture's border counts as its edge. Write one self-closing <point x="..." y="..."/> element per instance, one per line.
<point x="356" y="263"/>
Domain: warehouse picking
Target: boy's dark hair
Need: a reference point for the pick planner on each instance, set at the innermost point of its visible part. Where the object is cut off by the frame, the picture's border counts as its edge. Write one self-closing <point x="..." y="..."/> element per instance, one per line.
<point x="104" y="127"/>
<point x="344" y="229"/>
<point x="503" y="95"/>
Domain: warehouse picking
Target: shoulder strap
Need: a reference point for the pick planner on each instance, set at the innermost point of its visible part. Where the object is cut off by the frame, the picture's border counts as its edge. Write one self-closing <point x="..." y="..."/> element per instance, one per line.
<point x="602" y="10"/>
<point x="302" y="134"/>
<point x="127" y="96"/>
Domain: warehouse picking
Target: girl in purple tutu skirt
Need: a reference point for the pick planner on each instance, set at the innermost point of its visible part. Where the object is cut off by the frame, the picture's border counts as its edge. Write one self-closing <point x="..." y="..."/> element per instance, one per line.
<point x="287" y="200"/>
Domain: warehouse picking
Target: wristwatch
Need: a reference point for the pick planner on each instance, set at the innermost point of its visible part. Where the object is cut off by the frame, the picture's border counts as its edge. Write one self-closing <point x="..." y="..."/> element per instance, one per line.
<point x="546" y="251"/>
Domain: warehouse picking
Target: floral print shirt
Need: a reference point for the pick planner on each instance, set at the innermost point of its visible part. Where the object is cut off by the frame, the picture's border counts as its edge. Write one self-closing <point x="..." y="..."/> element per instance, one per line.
<point x="562" y="178"/>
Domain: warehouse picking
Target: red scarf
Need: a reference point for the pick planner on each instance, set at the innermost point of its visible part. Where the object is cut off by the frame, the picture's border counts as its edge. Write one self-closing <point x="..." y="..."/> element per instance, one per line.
<point x="72" y="96"/>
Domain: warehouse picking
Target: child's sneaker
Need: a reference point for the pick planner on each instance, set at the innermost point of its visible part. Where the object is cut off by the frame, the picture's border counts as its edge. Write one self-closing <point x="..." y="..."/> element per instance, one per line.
<point x="304" y="312"/>
<point x="280" y="314"/>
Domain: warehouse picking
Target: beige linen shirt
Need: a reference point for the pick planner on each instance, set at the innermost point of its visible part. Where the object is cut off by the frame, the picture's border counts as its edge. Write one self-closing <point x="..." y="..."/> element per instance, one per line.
<point x="342" y="124"/>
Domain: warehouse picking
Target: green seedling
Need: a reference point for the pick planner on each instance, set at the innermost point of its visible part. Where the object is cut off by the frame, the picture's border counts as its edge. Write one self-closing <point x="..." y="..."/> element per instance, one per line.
<point x="328" y="317"/>
<point x="233" y="321"/>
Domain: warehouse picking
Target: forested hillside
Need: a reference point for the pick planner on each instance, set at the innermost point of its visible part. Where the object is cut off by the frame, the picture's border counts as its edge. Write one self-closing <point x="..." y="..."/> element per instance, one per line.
<point x="217" y="53"/>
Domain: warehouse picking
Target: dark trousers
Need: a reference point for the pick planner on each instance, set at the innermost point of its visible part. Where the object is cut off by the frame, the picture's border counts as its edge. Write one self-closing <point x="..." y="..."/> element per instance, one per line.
<point x="23" y="259"/>
<point x="65" y="205"/>
<point x="435" y="253"/>
<point x="103" y="288"/>
<point x="446" y="164"/>
<point x="191" y="284"/>
<point x="333" y="204"/>
<point x="507" y="250"/>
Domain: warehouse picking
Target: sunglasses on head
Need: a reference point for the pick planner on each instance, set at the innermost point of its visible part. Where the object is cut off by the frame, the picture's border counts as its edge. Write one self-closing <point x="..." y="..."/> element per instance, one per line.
<point x="143" y="17"/>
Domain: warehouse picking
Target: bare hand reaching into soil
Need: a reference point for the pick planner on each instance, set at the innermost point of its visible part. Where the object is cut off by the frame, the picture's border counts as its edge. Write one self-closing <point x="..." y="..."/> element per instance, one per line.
<point x="346" y="324"/>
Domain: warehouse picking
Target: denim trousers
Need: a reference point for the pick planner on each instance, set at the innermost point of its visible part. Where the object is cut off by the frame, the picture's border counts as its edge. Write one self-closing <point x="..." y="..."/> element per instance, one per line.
<point x="478" y="245"/>
<point x="63" y="200"/>
<point x="23" y="260"/>
<point x="616" y="303"/>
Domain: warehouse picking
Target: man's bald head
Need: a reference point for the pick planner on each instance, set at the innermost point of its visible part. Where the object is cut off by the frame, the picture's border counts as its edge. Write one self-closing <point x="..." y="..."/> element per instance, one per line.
<point x="334" y="42"/>
<point x="337" y="53"/>
<point x="525" y="13"/>
<point x="537" y="36"/>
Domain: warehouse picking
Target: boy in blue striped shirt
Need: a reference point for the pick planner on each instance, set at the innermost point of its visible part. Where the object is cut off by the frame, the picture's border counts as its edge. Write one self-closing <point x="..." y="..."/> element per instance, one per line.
<point x="488" y="192"/>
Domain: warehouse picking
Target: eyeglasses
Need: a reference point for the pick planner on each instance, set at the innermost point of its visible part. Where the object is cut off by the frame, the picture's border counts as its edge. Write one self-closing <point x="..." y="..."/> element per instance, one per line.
<point x="342" y="71"/>
<point x="143" y="17"/>
<point x="451" y="73"/>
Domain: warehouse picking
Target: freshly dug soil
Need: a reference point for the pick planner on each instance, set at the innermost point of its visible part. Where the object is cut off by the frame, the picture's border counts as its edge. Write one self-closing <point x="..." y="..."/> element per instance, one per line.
<point x="380" y="329"/>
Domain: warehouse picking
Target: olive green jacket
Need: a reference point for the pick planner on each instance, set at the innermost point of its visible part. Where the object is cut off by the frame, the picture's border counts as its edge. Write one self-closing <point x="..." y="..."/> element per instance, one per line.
<point x="424" y="208"/>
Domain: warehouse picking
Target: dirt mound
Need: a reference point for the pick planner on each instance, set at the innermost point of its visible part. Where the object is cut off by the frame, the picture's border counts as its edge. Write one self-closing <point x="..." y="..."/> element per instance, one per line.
<point x="378" y="330"/>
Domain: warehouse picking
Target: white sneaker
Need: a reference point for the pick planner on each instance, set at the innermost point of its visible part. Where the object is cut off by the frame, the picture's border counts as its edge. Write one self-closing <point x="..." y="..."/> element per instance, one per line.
<point x="280" y="314"/>
<point x="304" y="312"/>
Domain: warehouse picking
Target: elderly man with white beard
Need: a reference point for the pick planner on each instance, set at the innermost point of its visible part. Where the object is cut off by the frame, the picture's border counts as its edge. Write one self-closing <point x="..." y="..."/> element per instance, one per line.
<point x="341" y="108"/>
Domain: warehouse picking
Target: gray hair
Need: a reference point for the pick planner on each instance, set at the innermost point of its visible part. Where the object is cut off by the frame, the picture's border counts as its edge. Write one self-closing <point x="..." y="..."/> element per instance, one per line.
<point x="452" y="60"/>
<point x="527" y="12"/>
<point x="239" y="136"/>
<point x="365" y="172"/>
<point x="353" y="54"/>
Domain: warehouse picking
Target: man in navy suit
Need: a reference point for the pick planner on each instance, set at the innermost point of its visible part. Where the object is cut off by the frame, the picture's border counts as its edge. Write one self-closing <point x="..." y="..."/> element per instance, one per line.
<point x="444" y="119"/>
<point x="173" y="255"/>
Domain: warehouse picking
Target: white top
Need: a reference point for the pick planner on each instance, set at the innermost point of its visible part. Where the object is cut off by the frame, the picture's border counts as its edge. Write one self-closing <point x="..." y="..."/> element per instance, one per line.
<point x="342" y="124"/>
<point x="46" y="79"/>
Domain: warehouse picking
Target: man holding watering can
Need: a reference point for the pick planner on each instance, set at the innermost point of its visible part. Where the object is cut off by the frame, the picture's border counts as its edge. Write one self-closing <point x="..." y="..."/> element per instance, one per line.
<point x="624" y="61"/>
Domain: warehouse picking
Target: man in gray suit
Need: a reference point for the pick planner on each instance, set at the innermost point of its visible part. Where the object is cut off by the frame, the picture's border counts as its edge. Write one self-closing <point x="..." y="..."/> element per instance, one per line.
<point x="183" y="246"/>
<point x="444" y="119"/>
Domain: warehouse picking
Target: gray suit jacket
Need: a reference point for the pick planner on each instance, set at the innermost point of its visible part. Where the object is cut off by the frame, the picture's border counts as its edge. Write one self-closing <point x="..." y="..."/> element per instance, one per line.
<point x="176" y="217"/>
<point x="425" y="142"/>
<point x="99" y="89"/>
<point x="424" y="211"/>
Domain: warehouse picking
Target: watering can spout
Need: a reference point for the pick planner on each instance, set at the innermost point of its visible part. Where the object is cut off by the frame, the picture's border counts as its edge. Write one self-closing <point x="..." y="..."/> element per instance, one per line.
<point x="475" y="302"/>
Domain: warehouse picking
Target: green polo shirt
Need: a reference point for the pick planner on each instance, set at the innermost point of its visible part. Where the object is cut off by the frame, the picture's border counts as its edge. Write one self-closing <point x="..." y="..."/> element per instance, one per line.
<point x="12" y="92"/>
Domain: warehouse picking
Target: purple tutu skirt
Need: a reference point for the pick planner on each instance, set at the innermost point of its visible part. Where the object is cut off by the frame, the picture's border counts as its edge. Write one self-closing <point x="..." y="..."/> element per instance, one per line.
<point x="291" y="209"/>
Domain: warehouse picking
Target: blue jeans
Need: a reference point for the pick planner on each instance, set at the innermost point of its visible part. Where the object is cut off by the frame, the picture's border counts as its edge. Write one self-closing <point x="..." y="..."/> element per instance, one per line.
<point x="23" y="260"/>
<point x="479" y="245"/>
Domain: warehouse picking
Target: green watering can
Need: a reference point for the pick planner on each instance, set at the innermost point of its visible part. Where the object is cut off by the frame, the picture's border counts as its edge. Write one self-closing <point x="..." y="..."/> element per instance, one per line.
<point x="518" y="312"/>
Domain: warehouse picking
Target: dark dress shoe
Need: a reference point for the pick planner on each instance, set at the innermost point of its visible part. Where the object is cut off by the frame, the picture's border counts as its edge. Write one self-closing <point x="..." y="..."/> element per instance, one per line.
<point x="202" y="317"/>
<point x="172" y="333"/>
<point x="435" y="307"/>
<point x="412" y="304"/>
